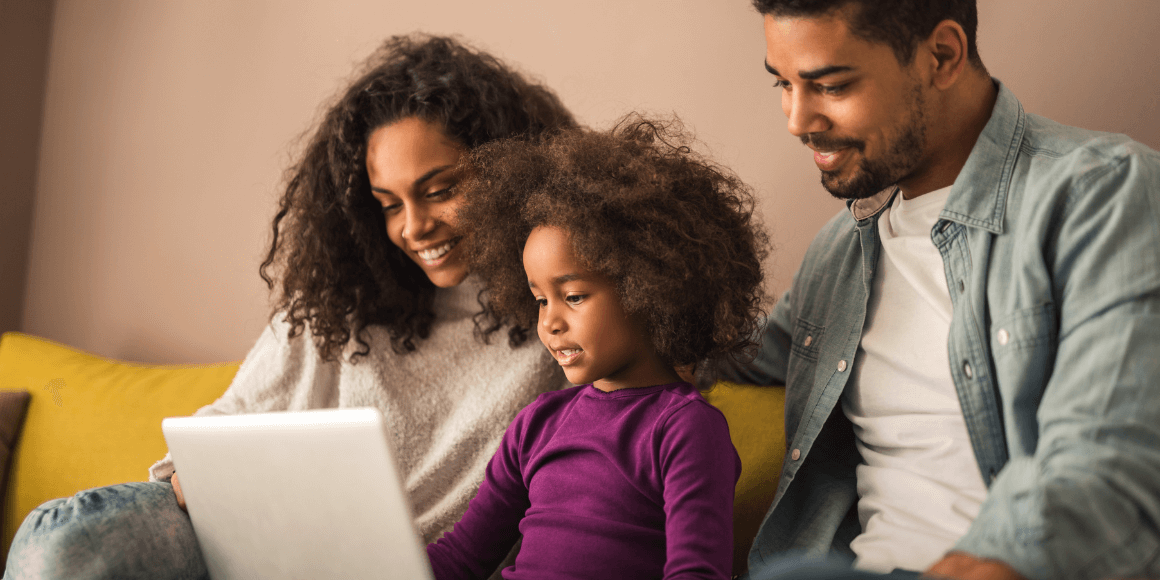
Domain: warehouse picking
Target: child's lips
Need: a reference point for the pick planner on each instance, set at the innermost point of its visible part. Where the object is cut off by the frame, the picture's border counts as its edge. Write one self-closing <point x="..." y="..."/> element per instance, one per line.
<point x="566" y="356"/>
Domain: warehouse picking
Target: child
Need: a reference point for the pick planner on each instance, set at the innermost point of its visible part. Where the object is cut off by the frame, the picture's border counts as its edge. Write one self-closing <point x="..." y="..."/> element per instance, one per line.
<point x="639" y="257"/>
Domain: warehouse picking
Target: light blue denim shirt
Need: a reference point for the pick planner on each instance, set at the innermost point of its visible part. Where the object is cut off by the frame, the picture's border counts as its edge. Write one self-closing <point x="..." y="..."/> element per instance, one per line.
<point x="1050" y="240"/>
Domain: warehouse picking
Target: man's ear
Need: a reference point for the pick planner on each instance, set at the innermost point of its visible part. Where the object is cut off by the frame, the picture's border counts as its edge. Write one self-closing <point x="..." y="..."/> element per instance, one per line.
<point x="946" y="49"/>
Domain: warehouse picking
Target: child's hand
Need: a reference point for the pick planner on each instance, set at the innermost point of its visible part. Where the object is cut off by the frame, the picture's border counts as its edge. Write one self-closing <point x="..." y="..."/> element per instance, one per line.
<point x="177" y="491"/>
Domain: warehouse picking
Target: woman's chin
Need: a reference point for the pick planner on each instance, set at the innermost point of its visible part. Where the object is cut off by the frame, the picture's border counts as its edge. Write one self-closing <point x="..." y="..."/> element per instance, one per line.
<point x="447" y="276"/>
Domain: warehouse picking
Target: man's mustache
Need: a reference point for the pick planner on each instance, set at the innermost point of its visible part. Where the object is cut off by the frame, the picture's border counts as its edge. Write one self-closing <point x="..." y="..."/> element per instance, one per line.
<point x="821" y="142"/>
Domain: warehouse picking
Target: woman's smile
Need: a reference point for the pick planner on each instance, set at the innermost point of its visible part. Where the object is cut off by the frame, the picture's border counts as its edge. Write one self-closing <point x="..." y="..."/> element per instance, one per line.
<point x="433" y="256"/>
<point x="411" y="167"/>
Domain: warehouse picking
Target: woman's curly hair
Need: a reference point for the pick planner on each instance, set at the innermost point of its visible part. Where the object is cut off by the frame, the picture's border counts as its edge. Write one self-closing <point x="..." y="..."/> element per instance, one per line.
<point x="338" y="270"/>
<point x="675" y="231"/>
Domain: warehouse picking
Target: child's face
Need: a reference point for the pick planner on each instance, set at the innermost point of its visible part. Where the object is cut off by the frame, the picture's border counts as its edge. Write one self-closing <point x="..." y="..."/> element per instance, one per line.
<point x="582" y="322"/>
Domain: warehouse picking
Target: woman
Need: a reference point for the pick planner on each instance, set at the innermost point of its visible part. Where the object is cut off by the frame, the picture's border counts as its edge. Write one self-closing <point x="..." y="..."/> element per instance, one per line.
<point x="374" y="308"/>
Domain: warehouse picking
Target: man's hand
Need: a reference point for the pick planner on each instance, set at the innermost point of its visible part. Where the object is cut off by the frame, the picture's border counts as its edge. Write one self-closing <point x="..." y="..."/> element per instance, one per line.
<point x="177" y="492"/>
<point x="963" y="566"/>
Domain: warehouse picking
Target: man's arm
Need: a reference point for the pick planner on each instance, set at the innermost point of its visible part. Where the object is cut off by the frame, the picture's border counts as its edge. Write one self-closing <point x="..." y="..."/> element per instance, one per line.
<point x="1086" y="502"/>
<point x="769" y="366"/>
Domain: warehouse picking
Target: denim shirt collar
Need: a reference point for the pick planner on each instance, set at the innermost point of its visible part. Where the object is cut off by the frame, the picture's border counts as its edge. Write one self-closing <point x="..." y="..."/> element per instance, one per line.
<point x="979" y="194"/>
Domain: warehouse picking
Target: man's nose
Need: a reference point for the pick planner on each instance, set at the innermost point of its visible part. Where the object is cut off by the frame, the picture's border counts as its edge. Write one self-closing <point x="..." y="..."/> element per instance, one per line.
<point x="803" y="113"/>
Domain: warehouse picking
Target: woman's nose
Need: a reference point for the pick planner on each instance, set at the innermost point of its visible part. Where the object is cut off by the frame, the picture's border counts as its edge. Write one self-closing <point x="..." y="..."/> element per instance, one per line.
<point x="417" y="223"/>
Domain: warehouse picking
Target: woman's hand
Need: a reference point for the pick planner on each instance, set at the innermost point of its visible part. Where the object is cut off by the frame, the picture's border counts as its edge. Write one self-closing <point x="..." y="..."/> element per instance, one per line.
<point x="177" y="492"/>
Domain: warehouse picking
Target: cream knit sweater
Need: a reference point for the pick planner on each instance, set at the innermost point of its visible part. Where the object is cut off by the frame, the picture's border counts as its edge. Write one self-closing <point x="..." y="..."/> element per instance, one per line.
<point x="449" y="401"/>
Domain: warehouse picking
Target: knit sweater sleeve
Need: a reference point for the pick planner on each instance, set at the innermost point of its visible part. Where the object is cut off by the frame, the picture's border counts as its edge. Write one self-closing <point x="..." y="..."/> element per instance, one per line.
<point x="700" y="468"/>
<point x="278" y="374"/>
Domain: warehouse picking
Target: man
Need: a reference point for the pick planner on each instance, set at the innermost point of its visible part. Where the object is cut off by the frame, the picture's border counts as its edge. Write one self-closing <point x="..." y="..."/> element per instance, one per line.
<point x="972" y="351"/>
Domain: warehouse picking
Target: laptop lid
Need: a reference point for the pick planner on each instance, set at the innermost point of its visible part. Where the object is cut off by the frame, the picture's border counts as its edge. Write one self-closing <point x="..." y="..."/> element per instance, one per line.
<point x="309" y="494"/>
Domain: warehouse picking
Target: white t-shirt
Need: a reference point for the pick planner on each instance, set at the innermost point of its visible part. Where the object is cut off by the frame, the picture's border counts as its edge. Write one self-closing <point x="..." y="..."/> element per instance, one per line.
<point x="919" y="487"/>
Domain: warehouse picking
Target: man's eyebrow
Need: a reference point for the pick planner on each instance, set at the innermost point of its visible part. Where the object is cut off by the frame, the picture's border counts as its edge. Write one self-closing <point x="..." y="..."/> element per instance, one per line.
<point x="813" y="75"/>
<point x="422" y="178"/>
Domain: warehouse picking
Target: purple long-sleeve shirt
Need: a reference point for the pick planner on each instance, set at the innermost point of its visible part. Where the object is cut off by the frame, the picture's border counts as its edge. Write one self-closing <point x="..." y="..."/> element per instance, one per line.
<point x="636" y="483"/>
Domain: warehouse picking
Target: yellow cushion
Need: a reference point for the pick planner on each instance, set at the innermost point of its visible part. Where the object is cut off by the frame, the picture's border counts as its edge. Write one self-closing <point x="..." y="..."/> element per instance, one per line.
<point x="91" y="421"/>
<point x="756" y="418"/>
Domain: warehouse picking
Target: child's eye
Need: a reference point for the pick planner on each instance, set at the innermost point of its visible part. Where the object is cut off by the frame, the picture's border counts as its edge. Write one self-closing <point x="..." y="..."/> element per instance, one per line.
<point x="542" y="302"/>
<point x="781" y="84"/>
<point x="575" y="299"/>
<point x="392" y="208"/>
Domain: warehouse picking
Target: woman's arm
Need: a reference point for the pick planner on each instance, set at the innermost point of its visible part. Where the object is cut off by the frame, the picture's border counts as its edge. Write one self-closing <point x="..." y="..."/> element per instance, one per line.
<point x="278" y="374"/>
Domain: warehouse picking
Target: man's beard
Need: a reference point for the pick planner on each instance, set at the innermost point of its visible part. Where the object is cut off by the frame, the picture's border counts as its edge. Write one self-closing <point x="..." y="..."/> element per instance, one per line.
<point x="873" y="175"/>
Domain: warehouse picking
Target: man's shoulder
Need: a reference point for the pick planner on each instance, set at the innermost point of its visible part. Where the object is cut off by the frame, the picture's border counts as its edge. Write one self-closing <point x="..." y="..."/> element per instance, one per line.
<point x="1067" y="150"/>
<point x="834" y="241"/>
<point x="1081" y="172"/>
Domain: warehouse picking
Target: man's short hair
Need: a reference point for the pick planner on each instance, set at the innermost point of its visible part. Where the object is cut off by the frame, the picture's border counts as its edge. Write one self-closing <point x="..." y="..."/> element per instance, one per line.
<point x="900" y="24"/>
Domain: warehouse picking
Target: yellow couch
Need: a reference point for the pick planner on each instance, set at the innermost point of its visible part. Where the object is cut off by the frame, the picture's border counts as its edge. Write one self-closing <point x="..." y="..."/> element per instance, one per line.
<point x="93" y="421"/>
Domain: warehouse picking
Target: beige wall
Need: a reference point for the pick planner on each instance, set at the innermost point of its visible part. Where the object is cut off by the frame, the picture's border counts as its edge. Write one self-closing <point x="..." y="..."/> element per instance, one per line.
<point x="168" y="124"/>
<point x="24" y="33"/>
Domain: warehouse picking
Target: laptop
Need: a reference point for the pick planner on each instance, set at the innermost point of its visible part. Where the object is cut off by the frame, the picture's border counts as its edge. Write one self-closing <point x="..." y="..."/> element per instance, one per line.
<point x="309" y="494"/>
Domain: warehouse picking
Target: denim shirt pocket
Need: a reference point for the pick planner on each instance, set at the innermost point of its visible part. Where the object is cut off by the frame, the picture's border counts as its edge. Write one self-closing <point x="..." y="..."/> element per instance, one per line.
<point x="1023" y="344"/>
<point x="804" y="350"/>
<point x="806" y="339"/>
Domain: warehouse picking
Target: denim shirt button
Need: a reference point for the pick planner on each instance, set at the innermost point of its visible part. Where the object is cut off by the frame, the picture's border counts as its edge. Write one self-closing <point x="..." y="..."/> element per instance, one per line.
<point x="808" y="341"/>
<point x="797" y="454"/>
<point x="841" y="366"/>
<point x="967" y="370"/>
<point x="1003" y="336"/>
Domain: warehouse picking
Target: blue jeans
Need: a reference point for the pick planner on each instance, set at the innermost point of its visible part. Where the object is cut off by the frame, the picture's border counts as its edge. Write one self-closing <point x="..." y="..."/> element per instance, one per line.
<point x="793" y="566"/>
<point x="130" y="531"/>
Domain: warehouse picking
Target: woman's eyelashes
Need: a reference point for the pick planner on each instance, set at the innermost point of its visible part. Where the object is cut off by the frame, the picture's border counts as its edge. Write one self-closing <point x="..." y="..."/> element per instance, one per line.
<point x="442" y="194"/>
<point x="439" y="195"/>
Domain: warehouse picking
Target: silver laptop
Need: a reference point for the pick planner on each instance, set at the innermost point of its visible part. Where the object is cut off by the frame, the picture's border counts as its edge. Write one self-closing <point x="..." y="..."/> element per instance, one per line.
<point x="311" y="495"/>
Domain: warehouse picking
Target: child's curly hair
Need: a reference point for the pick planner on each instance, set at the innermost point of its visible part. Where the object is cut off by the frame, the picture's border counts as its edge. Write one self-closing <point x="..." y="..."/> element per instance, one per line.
<point x="675" y="231"/>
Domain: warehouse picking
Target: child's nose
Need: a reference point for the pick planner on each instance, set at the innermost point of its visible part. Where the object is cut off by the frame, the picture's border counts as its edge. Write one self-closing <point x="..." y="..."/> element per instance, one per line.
<point x="551" y="321"/>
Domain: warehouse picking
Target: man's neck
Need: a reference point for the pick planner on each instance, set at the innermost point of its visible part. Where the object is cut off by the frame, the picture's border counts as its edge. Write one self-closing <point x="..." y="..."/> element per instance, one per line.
<point x="961" y="116"/>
